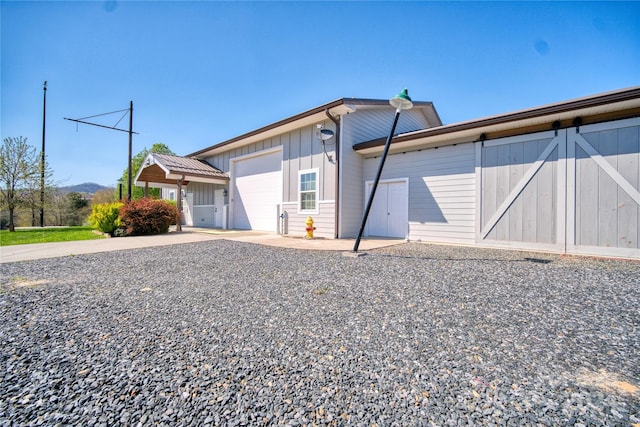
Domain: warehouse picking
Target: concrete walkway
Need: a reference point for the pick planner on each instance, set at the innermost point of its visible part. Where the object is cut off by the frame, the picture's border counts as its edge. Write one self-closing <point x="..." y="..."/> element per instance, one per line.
<point x="188" y="235"/>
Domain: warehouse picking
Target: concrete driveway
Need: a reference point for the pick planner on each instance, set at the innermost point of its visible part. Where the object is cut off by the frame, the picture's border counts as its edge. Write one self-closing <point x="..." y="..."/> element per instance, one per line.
<point x="188" y="235"/>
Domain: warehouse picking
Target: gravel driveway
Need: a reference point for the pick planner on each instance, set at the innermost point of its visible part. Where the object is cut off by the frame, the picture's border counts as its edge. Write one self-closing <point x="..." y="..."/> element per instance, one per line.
<point x="231" y="333"/>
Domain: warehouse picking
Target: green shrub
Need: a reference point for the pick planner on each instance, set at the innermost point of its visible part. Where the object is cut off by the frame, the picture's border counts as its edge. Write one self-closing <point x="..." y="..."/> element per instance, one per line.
<point x="147" y="216"/>
<point x="106" y="216"/>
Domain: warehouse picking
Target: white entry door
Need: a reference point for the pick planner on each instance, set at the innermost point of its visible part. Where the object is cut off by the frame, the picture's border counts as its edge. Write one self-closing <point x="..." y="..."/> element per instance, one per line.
<point x="218" y="202"/>
<point x="187" y="209"/>
<point x="389" y="215"/>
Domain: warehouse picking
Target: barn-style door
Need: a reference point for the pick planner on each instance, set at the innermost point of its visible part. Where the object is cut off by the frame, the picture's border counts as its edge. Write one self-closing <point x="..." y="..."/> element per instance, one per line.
<point x="522" y="191"/>
<point x="603" y="180"/>
<point x="576" y="191"/>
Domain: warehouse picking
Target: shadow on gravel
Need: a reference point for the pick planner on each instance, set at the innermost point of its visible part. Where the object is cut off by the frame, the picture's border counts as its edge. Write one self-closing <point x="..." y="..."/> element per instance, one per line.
<point x="436" y="258"/>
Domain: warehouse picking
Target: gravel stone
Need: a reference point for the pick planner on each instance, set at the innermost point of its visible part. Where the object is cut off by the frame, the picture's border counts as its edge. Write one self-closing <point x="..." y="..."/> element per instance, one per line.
<point x="230" y="333"/>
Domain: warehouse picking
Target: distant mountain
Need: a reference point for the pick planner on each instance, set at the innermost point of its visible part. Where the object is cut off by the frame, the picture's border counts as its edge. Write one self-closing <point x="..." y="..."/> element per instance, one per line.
<point x="87" y="187"/>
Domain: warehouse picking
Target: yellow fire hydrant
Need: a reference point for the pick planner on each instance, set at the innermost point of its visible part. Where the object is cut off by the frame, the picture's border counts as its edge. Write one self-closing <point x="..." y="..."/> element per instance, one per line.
<point x="310" y="228"/>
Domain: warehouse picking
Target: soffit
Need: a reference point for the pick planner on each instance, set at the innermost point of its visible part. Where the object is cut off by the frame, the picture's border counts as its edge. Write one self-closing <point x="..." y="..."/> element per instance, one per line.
<point x="598" y="108"/>
<point x="310" y="117"/>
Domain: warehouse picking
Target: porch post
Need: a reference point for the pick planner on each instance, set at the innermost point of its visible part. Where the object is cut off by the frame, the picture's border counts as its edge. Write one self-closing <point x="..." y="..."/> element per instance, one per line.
<point x="179" y="204"/>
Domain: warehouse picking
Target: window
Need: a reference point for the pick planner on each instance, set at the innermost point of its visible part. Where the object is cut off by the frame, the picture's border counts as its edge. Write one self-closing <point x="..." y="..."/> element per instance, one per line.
<point x="172" y="195"/>
<point x="308" y="190"/>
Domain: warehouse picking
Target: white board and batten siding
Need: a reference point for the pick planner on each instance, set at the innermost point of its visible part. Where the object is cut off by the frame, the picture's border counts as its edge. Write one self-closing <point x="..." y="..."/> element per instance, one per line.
<point x="294" y="225"/>
<point x="363" y="125"/>
<point x="441" y="191"/>
<point x="301" y="149"/>
<point x="574" y="192"/>
<point x="200" y="203"/>
<point x="209" y="215"/>
<point x="369" y="123"/>
<point x="298" y="149"/>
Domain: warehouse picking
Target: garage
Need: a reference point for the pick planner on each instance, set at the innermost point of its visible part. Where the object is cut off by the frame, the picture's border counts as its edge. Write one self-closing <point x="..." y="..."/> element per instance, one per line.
<point x="256" y="190"/>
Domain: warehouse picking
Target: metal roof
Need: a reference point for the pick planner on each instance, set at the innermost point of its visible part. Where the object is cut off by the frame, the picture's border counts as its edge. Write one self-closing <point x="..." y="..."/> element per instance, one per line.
<point x="337" y="107"/>
<point x="159" y="169"/>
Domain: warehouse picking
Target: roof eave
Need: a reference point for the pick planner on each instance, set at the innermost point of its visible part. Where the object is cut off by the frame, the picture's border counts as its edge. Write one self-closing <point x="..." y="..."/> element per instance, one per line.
<point x="338" y="107"/>
<point x="607" y="106"/>
<point x="205" y="152"/>
<point x="197" y="177"/>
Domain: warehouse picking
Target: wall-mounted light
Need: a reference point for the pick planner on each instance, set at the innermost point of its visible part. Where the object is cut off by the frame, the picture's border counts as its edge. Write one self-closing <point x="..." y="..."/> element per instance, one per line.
<point x="224" y="192"/>
<point x="324" y="135"/>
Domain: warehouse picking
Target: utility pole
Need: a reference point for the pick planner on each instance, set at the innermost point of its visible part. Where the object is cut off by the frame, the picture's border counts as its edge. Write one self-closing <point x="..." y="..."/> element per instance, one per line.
<point x="130" y="149"/>
<point x="42" y="158"/>
<point x="130" y="132"/>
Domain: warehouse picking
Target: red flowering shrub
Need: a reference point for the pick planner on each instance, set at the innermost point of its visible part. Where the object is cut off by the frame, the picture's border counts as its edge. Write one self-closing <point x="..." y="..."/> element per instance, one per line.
<point x="147" y="216"/>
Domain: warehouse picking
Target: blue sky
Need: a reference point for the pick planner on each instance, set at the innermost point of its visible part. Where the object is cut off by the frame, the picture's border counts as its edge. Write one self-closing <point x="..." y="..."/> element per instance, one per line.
<point x="203" y="72"/>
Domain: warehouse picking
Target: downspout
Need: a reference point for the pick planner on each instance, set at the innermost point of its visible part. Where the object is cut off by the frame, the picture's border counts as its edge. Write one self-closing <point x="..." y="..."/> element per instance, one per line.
<point x="336" y="121"/>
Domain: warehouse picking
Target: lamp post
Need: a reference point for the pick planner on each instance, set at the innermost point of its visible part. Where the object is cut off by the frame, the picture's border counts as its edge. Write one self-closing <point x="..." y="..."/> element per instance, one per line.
<point x="402" y="102"/>
<point x="129" y="179"/>
<point x="42" y="158"/>
<point x="120" y="189"/>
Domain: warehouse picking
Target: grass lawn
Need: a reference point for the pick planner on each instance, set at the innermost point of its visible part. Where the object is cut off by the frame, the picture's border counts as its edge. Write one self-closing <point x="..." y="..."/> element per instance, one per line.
<point x="42" y="235"/>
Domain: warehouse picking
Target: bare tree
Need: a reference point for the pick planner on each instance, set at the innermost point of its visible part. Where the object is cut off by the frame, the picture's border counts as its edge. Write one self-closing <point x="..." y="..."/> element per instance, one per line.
<point x="19" y="167"/>
<point x="56" y="208"/>
<point x="106" y="195"/>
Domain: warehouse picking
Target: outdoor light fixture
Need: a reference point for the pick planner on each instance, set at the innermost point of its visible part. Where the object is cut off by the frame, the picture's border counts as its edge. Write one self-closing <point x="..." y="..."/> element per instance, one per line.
<point x="120" y="182"/>
<point x="325" y="135"/>
<point x="401" y="102"/>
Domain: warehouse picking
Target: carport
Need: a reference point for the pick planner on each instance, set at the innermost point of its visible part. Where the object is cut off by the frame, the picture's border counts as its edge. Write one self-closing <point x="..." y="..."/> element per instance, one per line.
<point x="167" y="171"/>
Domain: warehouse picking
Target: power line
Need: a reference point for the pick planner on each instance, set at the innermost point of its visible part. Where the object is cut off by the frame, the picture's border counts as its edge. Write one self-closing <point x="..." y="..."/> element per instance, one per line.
<point x="103" y="114"/>
<point x="129" y="131"/>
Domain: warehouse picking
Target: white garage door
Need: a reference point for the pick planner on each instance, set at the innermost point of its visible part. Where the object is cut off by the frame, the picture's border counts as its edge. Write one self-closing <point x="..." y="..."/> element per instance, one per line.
<point x="257" y="182"/>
